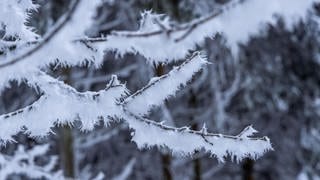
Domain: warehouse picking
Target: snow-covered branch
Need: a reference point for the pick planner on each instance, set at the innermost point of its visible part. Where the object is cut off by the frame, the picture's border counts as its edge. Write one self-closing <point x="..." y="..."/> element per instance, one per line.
<point x="46" y="39"/>
<point x="156" y="30"/>
<point x="150" y="133"/>
<point x="61" y="103"/>
<point x="17" y="64"/>
<point x="66" y="44"/>
<point x="184" y="141"/>
<point x="161" y="88"/>
<point x="89" y="107"/>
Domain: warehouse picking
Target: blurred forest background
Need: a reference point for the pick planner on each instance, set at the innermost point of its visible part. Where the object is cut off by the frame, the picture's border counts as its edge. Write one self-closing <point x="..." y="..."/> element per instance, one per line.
<point x="274" y="85"/>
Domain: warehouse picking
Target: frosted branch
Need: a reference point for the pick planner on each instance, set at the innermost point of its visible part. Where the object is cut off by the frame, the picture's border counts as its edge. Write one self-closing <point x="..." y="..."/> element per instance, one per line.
<point x="57" y="47"/>
<point x="67" y="105"/>
<point x="161" y="88"/>
<point x="180" y="39"/>
<point x="57" y="97"/>
<point x="156" y="30"/>
<point x="47" y="38"/>
<point x="184" y="141"/>
<point x="61" y="104"/>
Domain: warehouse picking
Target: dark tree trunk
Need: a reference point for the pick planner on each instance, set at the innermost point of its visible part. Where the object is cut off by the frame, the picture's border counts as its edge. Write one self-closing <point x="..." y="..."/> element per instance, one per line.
<point x="66" y="151"/>
<point x="247" y="168"/>
<point x="197" y="169"/>
<point x="165" y="157"/>
<point x="196" y="161"/>
<point x="166" y="163"/>
<point x="66" y="143"/>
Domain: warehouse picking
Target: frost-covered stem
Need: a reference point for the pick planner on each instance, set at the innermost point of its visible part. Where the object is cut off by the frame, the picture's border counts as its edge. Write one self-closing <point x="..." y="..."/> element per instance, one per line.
<point x="187" y="130"/>
<point x="195" y="58"/>
<point x="238" y="147"/>
<point x="56" y="98"/>
<point x="13" y="45"/>
<point x="60" y="24"/>
<point x="188" y="28"/>
<point x="59" y="96"/>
